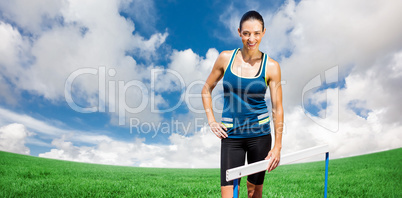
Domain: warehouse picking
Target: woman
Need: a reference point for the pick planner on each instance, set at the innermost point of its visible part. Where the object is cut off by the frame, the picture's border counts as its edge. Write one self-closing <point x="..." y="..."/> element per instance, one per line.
<point x="245" y="123"/>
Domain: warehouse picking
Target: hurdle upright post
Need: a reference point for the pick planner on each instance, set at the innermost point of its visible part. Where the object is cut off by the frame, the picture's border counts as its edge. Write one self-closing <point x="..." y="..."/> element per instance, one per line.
<point x="236" y="188"/>
<point x="326" y="174"/>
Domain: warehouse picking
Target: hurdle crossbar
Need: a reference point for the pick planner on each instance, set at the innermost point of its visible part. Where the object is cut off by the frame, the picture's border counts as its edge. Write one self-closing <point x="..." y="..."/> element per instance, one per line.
<point x="256" y="167"/>
<point x="241" y="171"/>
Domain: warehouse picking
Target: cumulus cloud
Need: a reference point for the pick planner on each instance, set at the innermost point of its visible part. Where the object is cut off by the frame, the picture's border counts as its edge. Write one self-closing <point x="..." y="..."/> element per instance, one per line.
<point x="147" y="48"/>
<point x="13" y="137"/>
<point x="37" y="15"/>
<point x="48" y="131"/>
<point x="354" y="134"/>
<point x="13" y="52"/>
<point x="8" y="95"/>
<point x="186" y="74"/>
<point x="13" y="46"/>
<point x="63" y="38"/>
<point x="194" y="70"/>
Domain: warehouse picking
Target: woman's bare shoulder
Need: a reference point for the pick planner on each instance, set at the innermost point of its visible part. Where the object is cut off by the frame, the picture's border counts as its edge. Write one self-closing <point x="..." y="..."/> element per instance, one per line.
<point x="223" y="58"/>
<point x="226" y="55"/>
<point x="273" y="68"/>
<point x="272" y="63"/>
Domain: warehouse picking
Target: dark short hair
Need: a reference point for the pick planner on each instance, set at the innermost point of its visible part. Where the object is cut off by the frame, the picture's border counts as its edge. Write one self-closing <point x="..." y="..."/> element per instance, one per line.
<point x="252" y="14"/>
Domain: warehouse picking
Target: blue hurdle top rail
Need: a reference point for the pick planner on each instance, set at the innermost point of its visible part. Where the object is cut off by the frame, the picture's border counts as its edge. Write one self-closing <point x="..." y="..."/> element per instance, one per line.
<point x="241" y="171"/>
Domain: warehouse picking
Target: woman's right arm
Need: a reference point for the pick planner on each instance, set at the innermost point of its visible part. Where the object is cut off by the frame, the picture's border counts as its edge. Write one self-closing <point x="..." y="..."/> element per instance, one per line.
<point x="214" y="77"/>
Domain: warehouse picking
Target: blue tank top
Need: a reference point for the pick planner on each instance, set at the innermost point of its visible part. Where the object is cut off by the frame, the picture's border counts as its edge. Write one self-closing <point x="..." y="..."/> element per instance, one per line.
<point x="245" y="113"/>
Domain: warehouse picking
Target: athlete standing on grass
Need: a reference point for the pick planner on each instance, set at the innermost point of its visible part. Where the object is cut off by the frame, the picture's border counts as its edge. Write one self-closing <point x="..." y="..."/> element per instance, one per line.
<point x="245" y="124"/>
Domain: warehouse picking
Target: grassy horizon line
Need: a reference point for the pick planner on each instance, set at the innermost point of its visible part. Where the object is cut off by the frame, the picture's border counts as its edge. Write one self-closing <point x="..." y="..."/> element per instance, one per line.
<point x="93" y="163"/>
<point x="369" y="175"/>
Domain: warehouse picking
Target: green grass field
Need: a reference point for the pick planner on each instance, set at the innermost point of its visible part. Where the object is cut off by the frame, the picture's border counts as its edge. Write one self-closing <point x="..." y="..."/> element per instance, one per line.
<point x="372" y="175"/>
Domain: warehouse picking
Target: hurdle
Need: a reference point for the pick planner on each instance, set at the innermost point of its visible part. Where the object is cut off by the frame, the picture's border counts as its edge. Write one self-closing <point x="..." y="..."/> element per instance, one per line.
<point x="241" y="171"/>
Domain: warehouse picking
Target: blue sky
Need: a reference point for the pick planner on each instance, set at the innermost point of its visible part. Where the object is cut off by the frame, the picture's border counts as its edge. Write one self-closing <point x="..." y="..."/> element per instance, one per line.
<point x="44" y="42"/>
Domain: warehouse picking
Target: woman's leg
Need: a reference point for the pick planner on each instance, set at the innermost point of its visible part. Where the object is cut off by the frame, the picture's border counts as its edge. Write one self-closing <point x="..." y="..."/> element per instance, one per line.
<point x="254" y="191"/>
<point x="257" y="150"/>
<point x="227" y="191"/>
<point x="232" y="155"/>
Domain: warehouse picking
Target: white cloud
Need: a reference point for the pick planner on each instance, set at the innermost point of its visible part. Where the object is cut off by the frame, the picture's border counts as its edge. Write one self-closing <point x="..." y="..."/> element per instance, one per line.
<point x="12" y="46"/>
<point x="186" y="74"/>
<point x="13" y="53"/>
<point x="7" y="117"/>
<point x="356" y="135"/>
<point x="191" y="66"/>
<point x="186" y="67"/>
<point x="13" y="137"/>
<point x="48" y="131"/>
<point x="193" y="70"/>
<point x="64" y="37"/>
<point x="32" y="16"/>
<point x="147" y="48"/>
<point x="8" y="95"/>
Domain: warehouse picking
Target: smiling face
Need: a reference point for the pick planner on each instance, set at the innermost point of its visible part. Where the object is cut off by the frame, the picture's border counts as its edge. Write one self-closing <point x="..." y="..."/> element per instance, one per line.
<point x="251" y="34"/>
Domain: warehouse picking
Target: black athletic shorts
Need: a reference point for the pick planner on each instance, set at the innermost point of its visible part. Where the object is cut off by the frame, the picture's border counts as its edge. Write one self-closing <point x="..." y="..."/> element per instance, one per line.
<point x="233" y="154"/>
